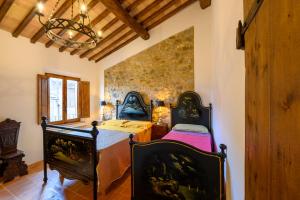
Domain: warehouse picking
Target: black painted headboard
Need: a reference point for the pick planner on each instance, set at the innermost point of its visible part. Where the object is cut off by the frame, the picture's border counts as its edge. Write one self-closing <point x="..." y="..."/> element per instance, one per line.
<point x="134" y="108"/>
<point x="190" y="110"/>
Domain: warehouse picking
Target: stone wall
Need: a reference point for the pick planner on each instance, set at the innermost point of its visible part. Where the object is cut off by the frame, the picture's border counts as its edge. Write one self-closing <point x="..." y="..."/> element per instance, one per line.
<point x="161" y="72"/>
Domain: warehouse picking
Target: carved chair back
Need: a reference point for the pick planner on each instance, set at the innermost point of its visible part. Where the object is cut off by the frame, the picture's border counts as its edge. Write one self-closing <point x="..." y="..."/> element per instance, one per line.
<point x="9" y="132"/>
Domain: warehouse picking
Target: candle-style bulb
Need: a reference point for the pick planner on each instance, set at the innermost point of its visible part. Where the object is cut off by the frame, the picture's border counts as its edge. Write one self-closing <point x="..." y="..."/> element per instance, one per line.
<point x="99" y="33"/>
<point x="70" y="33"/>
<point x="40" y="7"/>
<point x="83" y="8"/>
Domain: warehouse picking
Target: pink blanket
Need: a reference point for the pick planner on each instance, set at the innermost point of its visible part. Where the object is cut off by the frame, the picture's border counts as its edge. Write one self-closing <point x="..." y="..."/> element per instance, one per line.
<point x="199" y="140"/>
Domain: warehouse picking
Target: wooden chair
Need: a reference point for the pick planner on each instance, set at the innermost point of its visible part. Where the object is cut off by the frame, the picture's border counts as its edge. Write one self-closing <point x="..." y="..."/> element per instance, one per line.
<point x="11" y="164"/>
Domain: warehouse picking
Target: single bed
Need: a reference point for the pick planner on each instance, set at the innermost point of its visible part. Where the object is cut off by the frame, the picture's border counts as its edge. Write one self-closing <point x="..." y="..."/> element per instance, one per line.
<point x="98" y="153"/>
<point x="184" y="164"/>
<point x="190" y="110"/>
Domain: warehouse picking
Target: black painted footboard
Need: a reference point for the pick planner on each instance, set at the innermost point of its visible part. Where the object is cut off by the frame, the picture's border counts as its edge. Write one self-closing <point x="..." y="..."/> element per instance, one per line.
<point x="72" y="152"/>
<point x="171" y="170"/>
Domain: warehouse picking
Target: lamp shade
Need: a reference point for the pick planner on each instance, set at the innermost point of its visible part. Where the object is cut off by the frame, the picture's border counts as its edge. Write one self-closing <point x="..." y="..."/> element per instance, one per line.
<point x="103" y="103"/>
<point x="160" y="103"/>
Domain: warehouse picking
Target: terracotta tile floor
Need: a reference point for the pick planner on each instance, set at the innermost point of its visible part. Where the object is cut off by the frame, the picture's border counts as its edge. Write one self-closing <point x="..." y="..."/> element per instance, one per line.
<point x="30" y="187"/>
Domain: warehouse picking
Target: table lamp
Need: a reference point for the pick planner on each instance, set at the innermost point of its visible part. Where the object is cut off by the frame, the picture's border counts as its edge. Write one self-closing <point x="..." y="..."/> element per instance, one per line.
<point x="160" y="104"/>
<point x="102" y="104"/>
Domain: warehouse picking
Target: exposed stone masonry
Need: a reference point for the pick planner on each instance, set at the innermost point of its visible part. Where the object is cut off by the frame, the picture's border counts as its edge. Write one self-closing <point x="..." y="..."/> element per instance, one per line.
<point x="162" y="71"/>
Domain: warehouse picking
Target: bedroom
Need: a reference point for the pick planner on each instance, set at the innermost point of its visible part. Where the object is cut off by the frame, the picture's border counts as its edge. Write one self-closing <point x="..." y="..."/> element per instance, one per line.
<point x="239" y="84"/>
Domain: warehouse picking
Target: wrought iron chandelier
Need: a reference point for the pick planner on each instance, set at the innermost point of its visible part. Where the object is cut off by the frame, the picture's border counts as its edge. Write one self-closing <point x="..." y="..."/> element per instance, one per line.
<point x="62" y="31"/>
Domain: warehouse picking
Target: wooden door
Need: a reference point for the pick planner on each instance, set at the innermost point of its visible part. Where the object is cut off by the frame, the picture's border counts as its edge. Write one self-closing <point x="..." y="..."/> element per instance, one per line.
<point x="273" y="101"/>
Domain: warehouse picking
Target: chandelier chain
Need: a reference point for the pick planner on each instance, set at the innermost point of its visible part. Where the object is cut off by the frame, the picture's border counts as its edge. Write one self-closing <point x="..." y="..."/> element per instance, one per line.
<point x="88" y="16"/>
<point x="80" y="11"/>
<point x="72" y="9"/>
<point x="54" y="9"/>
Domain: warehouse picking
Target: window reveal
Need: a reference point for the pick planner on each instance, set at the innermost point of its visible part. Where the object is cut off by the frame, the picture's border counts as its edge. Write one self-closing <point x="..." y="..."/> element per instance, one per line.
<point x="62" y="99"/>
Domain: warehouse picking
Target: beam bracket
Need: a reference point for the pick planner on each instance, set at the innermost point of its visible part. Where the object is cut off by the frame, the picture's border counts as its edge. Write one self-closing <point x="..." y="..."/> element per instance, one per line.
<point x="205" y="3"/>
<point x="242" y="28"/>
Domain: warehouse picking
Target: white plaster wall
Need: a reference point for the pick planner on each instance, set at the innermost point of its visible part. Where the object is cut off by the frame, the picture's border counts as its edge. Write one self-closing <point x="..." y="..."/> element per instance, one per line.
<point x="191" y="16"/>
<point x="228" y="91"/>
<point x="20" y="62"/>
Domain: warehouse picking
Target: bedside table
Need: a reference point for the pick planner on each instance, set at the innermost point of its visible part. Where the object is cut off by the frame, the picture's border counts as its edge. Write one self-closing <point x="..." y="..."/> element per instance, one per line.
<point x="159" y="131"/>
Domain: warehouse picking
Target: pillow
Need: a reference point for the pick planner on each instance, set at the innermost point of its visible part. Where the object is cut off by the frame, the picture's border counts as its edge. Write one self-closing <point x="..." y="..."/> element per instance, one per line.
<point x="133" y="111"/>
<point x="115" y="122"/>
<point x="190" y="128"/>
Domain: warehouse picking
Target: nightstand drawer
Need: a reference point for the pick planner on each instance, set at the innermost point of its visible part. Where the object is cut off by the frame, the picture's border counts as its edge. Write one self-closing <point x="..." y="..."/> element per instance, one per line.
<point x="159" y="131"/>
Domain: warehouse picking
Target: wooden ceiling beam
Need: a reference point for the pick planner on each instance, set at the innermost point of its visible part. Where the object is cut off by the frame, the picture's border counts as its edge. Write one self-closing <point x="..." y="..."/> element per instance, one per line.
<point x="118" y="47"/>
<point x="134" y="5"/>
<point x="26" y="21"/>
<point x="114" y="33"/>
<point x="159" y="11"/>
<point x="62" y="9"/>
<point x="91" y="5"/>
<point x="5" y="6"/>
<point x="138" y="16"/>
<point x="170" y="14"/>
<point x="109" y="46"/>
<point x="109" y="24"/>
<point x="115" y="7"/>
<point x="151" y="26"/>
<point x="205" y="3"/>
<point x="110" y="36"/>
<point x="147" y="9"/>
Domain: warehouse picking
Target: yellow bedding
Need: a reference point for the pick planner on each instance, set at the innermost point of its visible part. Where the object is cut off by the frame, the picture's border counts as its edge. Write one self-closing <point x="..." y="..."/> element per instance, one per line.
<point x="114" y="122"/>
<point x="141" y="129"/>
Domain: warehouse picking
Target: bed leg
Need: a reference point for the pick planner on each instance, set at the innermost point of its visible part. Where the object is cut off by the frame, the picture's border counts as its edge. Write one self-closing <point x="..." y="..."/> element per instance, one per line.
<point x="131" y="143"/>
<point x="61" y="179"/>
<point x="95" y="159"/>
<point x="44" y="127"/>
<point x="45" y="172"/>
<point x="95" y="194"/>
